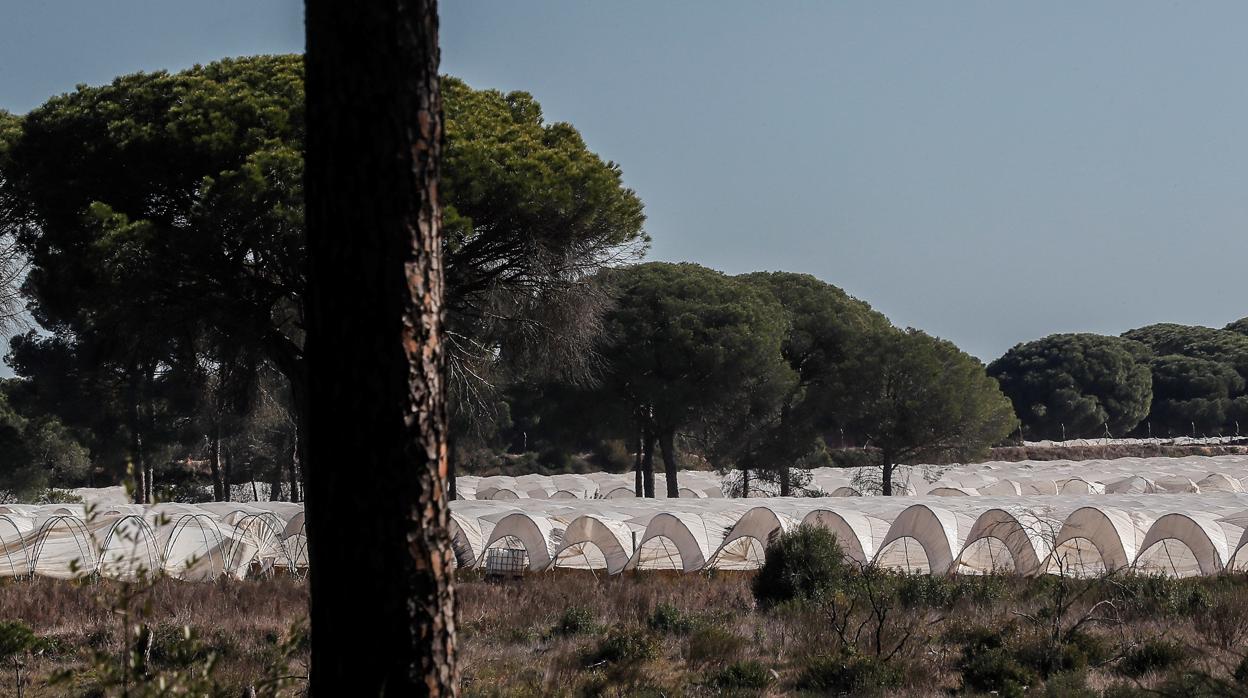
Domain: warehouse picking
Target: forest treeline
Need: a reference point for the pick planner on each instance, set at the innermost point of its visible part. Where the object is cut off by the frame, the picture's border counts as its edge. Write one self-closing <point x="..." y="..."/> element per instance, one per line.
<point x="156" y="226"/>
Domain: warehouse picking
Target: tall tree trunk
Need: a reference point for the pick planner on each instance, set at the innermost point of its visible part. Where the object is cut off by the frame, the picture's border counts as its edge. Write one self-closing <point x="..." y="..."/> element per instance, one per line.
<point x="296" y="480"/>
<point x="647" y="463"/>
<point x="786" y="487"/>
<point x="745" y="482"/>
<point x="138" y="464"/>
<point x="275" y="485"/>
<point x="214" y="461"/>
<point x="638" y="489"/>
<point x="227" y="474"/>
<point x="667" y="443"/>
<point x="148" y="421"/>
<point x="886" y="477"/>
<point x="376" y="437"/>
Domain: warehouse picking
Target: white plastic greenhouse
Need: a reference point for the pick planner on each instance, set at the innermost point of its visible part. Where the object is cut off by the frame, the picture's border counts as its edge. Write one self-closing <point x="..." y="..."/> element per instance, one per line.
<point x="121" y="541"/>
<point x="1173" y="516"/>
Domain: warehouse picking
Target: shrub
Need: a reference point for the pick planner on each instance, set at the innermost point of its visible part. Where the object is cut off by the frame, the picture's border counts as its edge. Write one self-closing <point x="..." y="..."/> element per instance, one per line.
<point x="1158" y="595"/>
<point x="576" y="620"/>
<point x="1225" y="623"/>
<point x="1154" y="655"/>
<point x="16" y="638"/>
<point x="627" y="645"/>
<point x="713" y="643"/>
<point x="746" y="674"/>
<point x="803" y="564"/>
<point x="54" y="496"/>
<point x="850" y="673"/>
<point x="996" y="670"/>
<point x="926" y="590"/>
<point x="666" y="618"/>
<point x="1079" y="651"/>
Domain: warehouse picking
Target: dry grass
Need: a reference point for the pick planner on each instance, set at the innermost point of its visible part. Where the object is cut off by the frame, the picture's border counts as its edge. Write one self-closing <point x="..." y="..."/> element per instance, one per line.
<point x="656" y="633"/>
<point x="242" y="622"/>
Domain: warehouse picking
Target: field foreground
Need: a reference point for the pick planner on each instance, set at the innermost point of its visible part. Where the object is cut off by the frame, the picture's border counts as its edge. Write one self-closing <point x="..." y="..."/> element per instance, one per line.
<point x="573" y="633"/>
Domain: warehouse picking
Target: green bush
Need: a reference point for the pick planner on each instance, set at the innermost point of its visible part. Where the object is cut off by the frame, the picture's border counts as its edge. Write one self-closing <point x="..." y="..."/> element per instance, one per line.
<point x="996" y="670"/>
<point x="576" y="620"/>
<point x="666" y="618"/>
<point x="1154" y="655"/>
<point x="1155" y="595"/>
<point x="850" y="673"/>
<point x="627" y="645"/>
<point x="747" y="674"/>
<point x="927" y="591"/>
<point x="16" y="638"/>
<point x="803" y="564"/>
<point x="1078" y="652"/>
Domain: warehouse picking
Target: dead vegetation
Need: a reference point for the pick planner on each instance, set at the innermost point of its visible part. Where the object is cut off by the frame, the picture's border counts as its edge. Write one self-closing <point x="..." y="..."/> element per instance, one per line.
<point x="575" y="633"/>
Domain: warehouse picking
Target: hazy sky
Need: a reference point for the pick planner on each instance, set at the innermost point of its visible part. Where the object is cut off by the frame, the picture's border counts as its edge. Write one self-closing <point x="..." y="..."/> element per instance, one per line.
<point x="990" y="172"/>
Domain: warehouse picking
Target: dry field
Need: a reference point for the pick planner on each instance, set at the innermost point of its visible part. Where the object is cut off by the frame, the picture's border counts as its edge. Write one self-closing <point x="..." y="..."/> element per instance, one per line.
<point x="571" y="633"/>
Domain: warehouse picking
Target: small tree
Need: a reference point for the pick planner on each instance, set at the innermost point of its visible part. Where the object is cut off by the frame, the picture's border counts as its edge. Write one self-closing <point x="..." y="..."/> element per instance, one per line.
<point x="17" y="641"/>
<point x="915" y="397"/>
<point x="805" y="564"/>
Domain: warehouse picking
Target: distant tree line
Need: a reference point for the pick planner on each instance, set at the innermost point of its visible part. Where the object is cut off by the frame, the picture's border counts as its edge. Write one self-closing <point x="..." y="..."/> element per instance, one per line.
<point x="157" y="223"/>
<point x="1162" y="380"/>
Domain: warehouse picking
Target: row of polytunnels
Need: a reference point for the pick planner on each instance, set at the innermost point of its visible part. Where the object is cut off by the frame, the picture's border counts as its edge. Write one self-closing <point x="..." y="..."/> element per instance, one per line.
<point x="188" y="542"/>
<point x="1175" y="535"/>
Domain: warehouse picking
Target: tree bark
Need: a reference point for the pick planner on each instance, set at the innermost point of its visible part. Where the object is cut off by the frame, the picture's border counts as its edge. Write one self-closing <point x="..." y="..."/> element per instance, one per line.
<point x="275" y="485"/>
<point x="647" y="464"/>
<point x="376" y="438"/>
<point x="214" y="461"/>
<point x="745" y="482"/>
<point x="149" y="468"/>
<point x="296" y="479"/>
<point x="227" y="473"/>
<point x="886" y="477"/>
<point x="638" y="488"/>
<point x="667" y="443"/>
<point x="138" y="465"/>
<point x="786" y="488"/>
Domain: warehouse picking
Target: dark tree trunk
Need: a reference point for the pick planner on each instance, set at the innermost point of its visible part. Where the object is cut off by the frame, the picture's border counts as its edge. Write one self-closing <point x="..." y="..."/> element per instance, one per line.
<point x="647" y="464"/>
<point x="667" y="443"/>
<point x="745" y="482"/>
<point x="886" y="477"/>
<point x="786" y="488"/>
<point x="638" y="488"/>
<point x="214" y="461"/>
<point x="275" y="486"/>
<point x="138" y="464"/>
<point x="227" y="474"/>
<point x="376" y="436"/>
<point x="295" y="478"/>
<point x="148" y="421"/>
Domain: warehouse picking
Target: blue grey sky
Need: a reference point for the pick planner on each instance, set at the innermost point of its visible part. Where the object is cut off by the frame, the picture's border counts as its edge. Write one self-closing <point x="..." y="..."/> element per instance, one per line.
<point x="990" y="172"/>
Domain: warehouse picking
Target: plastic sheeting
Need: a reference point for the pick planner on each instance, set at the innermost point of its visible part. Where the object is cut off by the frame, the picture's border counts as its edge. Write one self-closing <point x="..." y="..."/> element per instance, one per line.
<point x="1171" y="534"/>
<point x="127" y="541"/>
<point x="1187" y="475"/>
